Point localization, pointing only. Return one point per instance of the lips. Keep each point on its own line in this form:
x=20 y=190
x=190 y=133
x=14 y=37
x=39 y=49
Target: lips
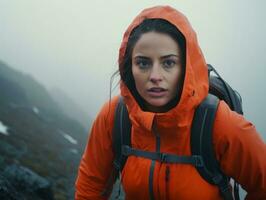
x=157 y=92
x=156 y=89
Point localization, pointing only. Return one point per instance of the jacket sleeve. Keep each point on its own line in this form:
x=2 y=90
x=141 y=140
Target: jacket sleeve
x=96 y=163
x=240 y=151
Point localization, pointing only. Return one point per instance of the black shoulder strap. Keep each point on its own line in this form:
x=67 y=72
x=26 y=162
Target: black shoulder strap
x=121 y=134
x=201 y=144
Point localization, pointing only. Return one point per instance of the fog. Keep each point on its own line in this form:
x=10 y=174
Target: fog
x=73 y=45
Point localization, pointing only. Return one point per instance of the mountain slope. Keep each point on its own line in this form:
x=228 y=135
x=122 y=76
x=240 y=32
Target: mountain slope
x=70 y=107
x=36 y=133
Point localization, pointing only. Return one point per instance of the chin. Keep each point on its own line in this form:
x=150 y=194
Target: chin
x=157 y=102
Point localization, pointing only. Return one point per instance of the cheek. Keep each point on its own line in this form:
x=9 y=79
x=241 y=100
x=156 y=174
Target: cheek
x=136 y=77
x=134 y=72
x=139 y=82
x=175 y=79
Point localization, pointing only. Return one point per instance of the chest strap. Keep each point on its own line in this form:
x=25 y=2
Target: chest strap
x=195 y=160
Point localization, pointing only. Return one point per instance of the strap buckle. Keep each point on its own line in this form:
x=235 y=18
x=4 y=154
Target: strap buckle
x=125 y=150
x=198 y=161
x=163 y=157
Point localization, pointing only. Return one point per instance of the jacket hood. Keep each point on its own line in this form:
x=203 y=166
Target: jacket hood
x=195 y=86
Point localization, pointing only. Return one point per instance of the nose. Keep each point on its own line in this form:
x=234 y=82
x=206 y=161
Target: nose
x=156 y=73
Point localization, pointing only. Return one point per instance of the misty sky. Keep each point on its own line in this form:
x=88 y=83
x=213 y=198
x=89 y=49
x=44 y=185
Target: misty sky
x=73 y=45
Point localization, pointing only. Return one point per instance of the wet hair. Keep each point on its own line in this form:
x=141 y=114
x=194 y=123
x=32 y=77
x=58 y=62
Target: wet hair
x=158 y=26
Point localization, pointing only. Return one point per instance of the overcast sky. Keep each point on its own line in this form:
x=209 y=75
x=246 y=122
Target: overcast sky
x=73 y=44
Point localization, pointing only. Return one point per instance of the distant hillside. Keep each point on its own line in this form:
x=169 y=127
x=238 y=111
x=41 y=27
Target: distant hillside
x=37 y=135
x=36 y=94
x=70 y=107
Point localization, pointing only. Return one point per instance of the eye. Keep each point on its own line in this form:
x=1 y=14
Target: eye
x=169 y=63
x=143 y=63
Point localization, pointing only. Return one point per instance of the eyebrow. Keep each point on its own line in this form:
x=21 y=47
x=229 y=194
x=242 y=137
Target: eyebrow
x=170 y=55
x=166 y=56
x=142 y=57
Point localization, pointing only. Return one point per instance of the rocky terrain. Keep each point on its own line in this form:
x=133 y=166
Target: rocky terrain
x=40 y=145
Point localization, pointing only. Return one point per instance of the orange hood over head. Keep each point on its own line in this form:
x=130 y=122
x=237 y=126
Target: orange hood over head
x=195 y=86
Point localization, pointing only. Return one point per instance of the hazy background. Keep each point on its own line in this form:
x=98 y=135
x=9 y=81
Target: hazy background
x=73 y=45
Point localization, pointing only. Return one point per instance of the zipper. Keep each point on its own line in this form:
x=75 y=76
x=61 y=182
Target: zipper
x=153 y=162
x=151 y=175
x=167 y=178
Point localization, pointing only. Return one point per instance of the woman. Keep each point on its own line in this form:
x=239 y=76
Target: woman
x=163 y=79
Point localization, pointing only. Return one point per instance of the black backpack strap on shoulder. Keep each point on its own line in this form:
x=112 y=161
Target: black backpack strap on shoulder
x=201 y=144
x=121 y=136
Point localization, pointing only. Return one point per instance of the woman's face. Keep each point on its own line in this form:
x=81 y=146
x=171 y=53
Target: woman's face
x=156 y=68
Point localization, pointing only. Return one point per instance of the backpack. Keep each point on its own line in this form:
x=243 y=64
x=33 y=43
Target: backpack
x=203 y=155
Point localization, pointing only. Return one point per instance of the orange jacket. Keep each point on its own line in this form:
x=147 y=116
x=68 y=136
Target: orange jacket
x=239 y=149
